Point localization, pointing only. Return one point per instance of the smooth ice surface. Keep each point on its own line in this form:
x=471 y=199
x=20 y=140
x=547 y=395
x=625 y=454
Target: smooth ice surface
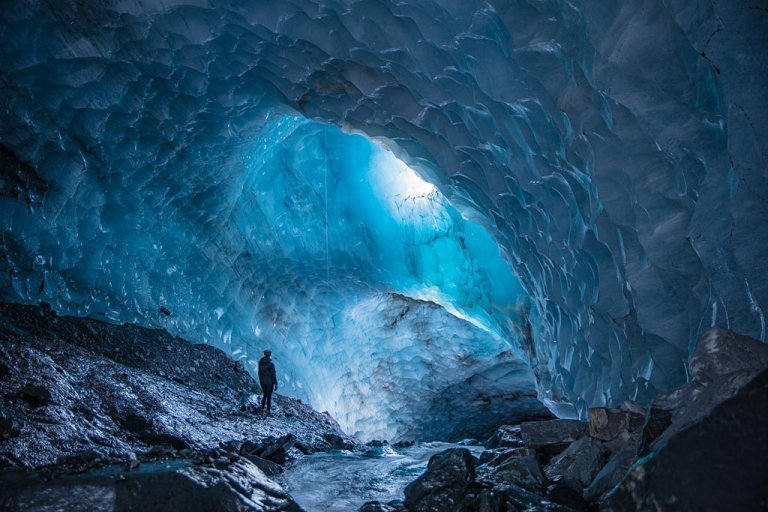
x=615 y=153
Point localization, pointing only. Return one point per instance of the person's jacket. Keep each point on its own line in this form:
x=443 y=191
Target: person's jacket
x=267 y=375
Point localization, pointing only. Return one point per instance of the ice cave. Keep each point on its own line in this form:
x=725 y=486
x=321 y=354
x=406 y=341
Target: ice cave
x=506 y=255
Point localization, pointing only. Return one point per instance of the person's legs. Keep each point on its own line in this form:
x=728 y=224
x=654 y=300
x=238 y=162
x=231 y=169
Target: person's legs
x=268 y=399
x=264 y=396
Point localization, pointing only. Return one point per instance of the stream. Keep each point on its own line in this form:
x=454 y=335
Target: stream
x=343 y=481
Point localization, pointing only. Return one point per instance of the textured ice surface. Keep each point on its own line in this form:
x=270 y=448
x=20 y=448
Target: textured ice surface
x=616 y=153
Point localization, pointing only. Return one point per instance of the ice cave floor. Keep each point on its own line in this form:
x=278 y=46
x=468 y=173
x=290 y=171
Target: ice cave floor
x=115 y=418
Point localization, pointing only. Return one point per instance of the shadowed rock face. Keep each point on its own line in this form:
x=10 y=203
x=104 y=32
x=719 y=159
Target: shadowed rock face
x=175 y=487
x=702 y=446
x=115 y=392
x=615 y=153
x=450 y=476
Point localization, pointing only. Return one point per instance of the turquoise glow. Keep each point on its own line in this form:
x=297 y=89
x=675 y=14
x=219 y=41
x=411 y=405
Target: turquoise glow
x=382 y=223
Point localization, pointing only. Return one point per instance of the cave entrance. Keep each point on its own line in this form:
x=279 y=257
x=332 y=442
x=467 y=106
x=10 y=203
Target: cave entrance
x=393 y=311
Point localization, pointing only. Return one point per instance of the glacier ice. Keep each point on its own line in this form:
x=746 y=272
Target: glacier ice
x=175 y=154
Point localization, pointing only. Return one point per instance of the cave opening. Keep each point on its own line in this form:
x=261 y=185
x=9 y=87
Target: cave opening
x=397 y=300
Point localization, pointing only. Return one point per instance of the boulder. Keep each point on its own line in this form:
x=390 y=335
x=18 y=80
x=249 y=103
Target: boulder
x=272 y=449
x=151 y=431
x=606 y=424
x=518 y=465
x=721 y=351
x=268 y=467
x=552 y=436
x=718 y=461
x=376 y=506
x=578 y=464
x=448 y=480
x=506 y=436
x=174 y=487
x=511 y=497
x=337 y=442
x=615 y=469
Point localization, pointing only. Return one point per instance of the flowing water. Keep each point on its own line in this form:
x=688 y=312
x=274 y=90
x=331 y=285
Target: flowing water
x=343 y=481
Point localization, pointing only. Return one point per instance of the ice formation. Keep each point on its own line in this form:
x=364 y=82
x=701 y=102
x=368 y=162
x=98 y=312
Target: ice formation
x=588 y=197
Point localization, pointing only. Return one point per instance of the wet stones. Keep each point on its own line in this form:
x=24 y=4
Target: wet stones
x=267 y=466
x=270 y=448
x=448 y=481
x=175 y=487
x=614 y=470
x=511 y=497
x=552 y=436
x=577 y=466
x=376 y=506
x=519 y=465
x=337 y=442
x=148 y=431
x=507 y=436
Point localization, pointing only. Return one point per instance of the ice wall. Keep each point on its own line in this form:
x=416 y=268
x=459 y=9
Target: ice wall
x=617 y=154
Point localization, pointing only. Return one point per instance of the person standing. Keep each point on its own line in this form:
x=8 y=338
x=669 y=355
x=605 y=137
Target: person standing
x=268 y=381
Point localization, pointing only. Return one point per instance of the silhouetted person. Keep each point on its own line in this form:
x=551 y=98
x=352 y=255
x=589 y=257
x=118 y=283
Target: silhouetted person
x=267 y=380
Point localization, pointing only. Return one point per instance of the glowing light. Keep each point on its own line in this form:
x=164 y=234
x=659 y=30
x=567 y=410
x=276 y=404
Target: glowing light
x=397 y=184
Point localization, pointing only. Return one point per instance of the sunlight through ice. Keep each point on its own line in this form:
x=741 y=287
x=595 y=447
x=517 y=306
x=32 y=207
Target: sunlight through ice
x=399 y=186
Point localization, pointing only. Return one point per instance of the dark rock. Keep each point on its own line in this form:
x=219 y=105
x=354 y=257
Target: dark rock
x=168 y=487
x=337 y=442
x=7 y=461
x=721 y=351
x=510 y=497
x=578 y=464
x=305 y=449
x=658 y=420
x=231 y=446
x=449 y=478
x=560 y=493
x=691 y=403
x=606 y=424
x=275 y=449
x=81 y=460
x=552 y=436
x=615 y=469
x=158 y=452
x=716 y=462
x=145 y=430
x=9 y=426
x=403 y=444
x=633 y=407
x=376 y=506
x=34 y=395
x=267 y=466
x=518 y=465
x=507 y=436
x=618 y=442
x=248 y=447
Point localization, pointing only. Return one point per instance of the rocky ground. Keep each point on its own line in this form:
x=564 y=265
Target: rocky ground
x=702 y=447
x=98 y=416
